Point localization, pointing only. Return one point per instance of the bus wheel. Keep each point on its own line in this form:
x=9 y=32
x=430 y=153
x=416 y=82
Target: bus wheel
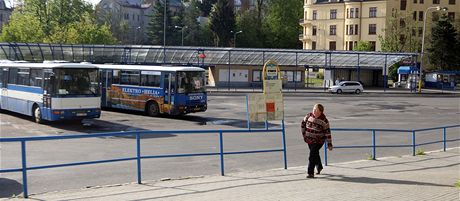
x=37 y=115
x=152 y=109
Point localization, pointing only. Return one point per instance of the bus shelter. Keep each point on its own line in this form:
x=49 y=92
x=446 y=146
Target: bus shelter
x=228 y=67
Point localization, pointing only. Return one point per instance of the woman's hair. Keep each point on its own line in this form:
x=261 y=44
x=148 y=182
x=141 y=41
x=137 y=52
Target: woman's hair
x=320 y=107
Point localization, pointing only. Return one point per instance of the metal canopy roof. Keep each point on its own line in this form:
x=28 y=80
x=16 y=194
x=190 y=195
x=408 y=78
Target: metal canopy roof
x=140 y=54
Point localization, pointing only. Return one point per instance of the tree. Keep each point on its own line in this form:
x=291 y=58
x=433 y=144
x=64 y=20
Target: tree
x=205 y=6
x=222 y=23
x=363 y=46
x=251 y=22
x=52 y=21
x=400 y=34
x=194 y=34
x=282 y=23
x=444 y=49
x=155 y=28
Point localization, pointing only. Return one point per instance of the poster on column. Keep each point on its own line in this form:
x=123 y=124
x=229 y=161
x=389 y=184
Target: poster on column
x=265 y=107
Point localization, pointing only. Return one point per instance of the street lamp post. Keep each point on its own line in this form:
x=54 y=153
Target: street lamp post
x=136 y=35
x=423 y=44
x=234 y=36
x=182 y=32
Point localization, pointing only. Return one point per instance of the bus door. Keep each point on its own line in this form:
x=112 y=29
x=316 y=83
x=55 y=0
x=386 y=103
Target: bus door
x=169 y=88
x=106 y=78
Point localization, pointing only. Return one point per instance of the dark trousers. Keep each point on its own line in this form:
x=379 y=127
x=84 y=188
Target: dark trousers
x=314 y=159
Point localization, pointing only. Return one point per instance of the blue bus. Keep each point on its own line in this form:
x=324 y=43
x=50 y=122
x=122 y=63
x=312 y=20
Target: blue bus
x=155 y=90
x=50 y=91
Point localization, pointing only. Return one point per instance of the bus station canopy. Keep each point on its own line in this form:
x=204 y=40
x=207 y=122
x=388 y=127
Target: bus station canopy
x=199 y=56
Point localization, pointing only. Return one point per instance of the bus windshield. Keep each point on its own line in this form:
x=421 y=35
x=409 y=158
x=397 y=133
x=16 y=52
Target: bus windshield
x=73 y=81
x=191 y=82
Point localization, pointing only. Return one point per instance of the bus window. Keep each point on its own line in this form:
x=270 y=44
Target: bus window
x=116 y=76
x=130 y=77
x=13 y=74
x=36 y=79
x=76 y=81
x=150 y=78
x=190 y=82
x=23 y=76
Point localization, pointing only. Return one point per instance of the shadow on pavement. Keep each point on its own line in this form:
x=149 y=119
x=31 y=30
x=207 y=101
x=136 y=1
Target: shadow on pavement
x=370 y=180
x=9 y=188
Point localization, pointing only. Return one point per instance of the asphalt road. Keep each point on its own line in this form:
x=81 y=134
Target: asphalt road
x=224 y=112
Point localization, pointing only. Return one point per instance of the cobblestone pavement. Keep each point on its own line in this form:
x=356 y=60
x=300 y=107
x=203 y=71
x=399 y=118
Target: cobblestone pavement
x=424 y=177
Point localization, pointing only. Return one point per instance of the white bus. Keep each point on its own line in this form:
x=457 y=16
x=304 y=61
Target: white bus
x=173 y=90
x=50 y=91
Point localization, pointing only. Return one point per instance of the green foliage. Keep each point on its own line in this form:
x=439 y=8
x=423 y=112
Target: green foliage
x=363 y=46
x=419 y=152
x=399 y=34
x=155 y=28
x=222 y=23
x=252 y=36
x=457 y=184
x=282 y=23
x=370 y=157
x=206 y=6
x=194 y=33
x=320 y=75
x=393 y=72
x=444 y=37
x=56 y=21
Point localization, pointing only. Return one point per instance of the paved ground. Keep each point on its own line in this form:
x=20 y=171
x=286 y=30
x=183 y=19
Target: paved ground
x=425 y=177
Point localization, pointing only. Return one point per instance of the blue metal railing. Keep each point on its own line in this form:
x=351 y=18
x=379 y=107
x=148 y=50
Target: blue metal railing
x=24 y=169
x=414 y=145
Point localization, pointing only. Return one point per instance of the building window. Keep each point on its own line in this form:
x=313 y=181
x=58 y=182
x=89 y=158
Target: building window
x=415 y=1
x=348 y=10
x=436 y=1
x=314 y=14
x=414 y=16
x=313 y=31
x=346 y=30
x=313 y=45
x=256 y=76
x=403 y=5
x=451 y=16
x=420 y=15
x=333 y=14
x=350 y=45
x=332 y=30
x=332 y=45
x=451 y=2
x=422 y=1
x=402 y=23
x=352 y=12
x=420 y=31
x=356 y=29
x=356 y=12
x=372 y=45
x=351 y=30
x=373 y=12
x=414 y=32
x=372 y=29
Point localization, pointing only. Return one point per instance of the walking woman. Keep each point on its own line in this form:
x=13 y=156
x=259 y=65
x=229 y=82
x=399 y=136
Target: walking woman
x=315 y=130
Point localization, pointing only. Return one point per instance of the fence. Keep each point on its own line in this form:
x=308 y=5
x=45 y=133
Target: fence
x=414 y=145
x=24 y=169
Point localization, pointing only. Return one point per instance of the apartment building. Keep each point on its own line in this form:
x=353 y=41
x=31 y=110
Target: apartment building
x=340 y=24
x=5 y=14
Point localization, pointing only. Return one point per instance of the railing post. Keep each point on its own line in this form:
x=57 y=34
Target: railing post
x=138 y=151
x=413 y=142
x=284 y=144
x=221 y=142
x=444 y=139
x=325 y=153
x=373 y=145
x=24 y=169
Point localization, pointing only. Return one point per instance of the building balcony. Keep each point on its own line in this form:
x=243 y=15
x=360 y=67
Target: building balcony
x=304 y=22
x=303 y=37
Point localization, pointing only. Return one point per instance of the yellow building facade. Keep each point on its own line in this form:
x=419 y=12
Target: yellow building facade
x=340 y=25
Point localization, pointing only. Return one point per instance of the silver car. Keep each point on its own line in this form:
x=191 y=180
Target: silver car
x=347 y=86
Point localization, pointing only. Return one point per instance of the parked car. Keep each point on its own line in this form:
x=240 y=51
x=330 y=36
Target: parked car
x=347 y=86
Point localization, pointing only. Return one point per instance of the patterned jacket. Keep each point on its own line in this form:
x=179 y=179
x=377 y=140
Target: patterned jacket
x=316 y=130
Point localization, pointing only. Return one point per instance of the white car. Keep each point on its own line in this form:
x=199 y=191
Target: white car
x=347 y=86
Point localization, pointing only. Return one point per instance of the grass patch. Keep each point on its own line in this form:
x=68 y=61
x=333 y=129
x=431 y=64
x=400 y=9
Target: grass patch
x=457 y=184
x=420 y=152
x=313 y=82
x=369 y=157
